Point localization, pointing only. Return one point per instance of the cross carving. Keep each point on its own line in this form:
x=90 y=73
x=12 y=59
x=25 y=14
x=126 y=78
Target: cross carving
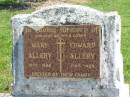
x=60 y=51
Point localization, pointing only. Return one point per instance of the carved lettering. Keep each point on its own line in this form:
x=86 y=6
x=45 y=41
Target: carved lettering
x=45 y=65
x=48 y=29
x=89 y=45
x=82 y=55
x=79 y=65
x=39 y=45
x=76 y=65
x=36 y=55
x=82 y=74
x=44 y=74
x=89 y=66
x=66 y=74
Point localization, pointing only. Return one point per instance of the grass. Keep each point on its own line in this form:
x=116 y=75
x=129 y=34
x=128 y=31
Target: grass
x=6 y=48
x=5 y=51
x=78 y=1
x=122 y=6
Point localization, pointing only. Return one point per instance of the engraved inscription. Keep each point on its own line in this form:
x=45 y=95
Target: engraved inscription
x=69 y=51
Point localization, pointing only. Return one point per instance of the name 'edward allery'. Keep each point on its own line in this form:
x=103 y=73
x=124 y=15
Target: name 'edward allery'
x=82 y=55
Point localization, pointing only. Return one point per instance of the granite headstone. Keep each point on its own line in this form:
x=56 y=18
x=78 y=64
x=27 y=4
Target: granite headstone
x=68 y=50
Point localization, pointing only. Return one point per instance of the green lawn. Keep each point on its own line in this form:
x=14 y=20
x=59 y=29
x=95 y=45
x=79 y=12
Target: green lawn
x=6 y=48
x=122 y=6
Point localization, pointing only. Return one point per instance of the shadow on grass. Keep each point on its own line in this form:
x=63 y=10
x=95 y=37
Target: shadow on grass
x=13 y=6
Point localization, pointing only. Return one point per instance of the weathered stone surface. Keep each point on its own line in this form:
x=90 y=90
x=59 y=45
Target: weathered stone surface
x=112 y=80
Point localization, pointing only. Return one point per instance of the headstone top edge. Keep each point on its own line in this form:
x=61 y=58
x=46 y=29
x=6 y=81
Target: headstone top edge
x=66 y=5
x=112 y=13
x=80 y=7
x=20 y=16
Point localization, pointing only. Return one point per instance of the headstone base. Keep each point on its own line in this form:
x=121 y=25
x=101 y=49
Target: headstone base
x=103 y=92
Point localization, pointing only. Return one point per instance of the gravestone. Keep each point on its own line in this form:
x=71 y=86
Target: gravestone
x=67 y=50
